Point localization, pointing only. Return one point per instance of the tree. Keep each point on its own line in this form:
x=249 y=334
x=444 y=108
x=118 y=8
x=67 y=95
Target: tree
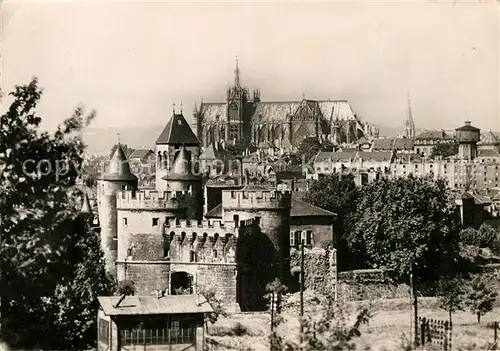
x=41 y=225
x=310 y=146
x=329 y=329
x=451 y=296
x=339 y=194
x=409 y=226
x=211 y=296
x=480 y=297
x=445 y=150
x=275 y=291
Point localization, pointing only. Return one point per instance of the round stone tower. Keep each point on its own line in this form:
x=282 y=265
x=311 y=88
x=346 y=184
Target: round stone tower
x=182 y=178
x=118 y=177
x=264 y=252
x=467 y=137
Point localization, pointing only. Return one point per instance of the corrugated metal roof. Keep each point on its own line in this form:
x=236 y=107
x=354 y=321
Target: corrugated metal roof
x=148 y=305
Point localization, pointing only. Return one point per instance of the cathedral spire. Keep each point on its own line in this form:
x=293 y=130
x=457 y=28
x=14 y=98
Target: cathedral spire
x=237 y=74
x=409 y=123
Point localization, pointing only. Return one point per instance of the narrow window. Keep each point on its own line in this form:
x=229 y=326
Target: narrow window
x=165 y=252
x=215 y=253
x=192 y=256
x=155 y=222
x=125 y=221
x=292 y=239
x=129 y=252
x=236 y=220
x=309 y=237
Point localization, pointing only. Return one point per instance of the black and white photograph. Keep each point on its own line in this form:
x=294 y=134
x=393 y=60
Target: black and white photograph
x=249 y=175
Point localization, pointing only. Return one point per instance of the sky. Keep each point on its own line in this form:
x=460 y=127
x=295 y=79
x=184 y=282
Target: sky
x=131 y=61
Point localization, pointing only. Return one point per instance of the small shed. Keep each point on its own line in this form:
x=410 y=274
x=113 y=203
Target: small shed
x=171 y=322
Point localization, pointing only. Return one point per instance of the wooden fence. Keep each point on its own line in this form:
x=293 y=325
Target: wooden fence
x=434 y=332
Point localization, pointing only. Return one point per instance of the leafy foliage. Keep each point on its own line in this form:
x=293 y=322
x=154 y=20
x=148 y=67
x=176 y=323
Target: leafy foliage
x=445 y=150
x=216 y=303
x=50 y=259
x=480 y=297
x=451 y=296
x=329 y=328
x=310 y=146
x=408 y=225
x=126 y=287
x=339 y=194
x=485 y=237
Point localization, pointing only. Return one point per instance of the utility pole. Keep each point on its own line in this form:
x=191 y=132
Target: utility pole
x=301 y=288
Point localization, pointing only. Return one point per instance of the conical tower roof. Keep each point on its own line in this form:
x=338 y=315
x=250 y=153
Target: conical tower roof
x=86 y=208
x=181 y=169
x=119 y=167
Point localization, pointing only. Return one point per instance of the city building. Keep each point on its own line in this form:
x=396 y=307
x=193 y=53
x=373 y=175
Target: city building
x=244 y=119
x=159 y=239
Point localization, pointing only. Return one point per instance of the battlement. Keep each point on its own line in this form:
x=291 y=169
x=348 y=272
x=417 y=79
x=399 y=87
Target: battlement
x=151 y=199
x=256 y=199
x=207 y=228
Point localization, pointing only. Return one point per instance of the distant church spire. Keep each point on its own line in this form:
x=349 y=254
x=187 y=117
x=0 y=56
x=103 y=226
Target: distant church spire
x=409 y=123
x=237 y=74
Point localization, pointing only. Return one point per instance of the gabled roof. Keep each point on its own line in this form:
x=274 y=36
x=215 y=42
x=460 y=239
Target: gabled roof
x=141 y=153
x=299 y=209
x=151 y=305
x=213 y=153
x=377 y=156
x=337 y=156
x=388 y=144
x=489 y=138
x=177 y=132
x=433 y=135
x=119 y=167
x=304 y=209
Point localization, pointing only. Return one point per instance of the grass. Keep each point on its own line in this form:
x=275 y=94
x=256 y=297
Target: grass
x=388 y=330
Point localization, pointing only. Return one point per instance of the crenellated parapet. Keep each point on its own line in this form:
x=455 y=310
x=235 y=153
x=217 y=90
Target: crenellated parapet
x=211 y=228
x=266 y=199
x=148 y=199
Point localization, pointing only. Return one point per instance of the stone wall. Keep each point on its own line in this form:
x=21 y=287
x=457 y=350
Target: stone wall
x=365 y=284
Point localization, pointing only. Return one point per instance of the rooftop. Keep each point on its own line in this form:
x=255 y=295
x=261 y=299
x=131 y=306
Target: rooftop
x=177 y=132
x=119 y=167
x=149 y=305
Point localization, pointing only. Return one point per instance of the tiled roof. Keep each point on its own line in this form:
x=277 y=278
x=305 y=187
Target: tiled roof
x=211 y=110
x=382 y=144
x=489 y=138
x=303 y=209
x=377 y=156
x=149 y=305
x=433 y=135
x=393 y=144
x=299 y=209
x=337 y=156
x=211 y=153
x=140 y=153
x=177 y=132
x=488 y=153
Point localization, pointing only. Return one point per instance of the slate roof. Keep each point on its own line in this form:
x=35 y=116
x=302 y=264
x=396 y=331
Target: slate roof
x=393 y=144
x=150 y=305
x=337 y=156
x=211 y=153
x=489 y=138
x=276 y=111
x=177 y=132
x=433 y=135
x=299 y=209
x=119 y=167
x=467 y=128
x=141 y=153
x=181 y=169
x=377 y=156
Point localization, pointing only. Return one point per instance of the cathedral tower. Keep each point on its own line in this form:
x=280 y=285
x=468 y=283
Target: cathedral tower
x=118 y=177
x=237 y=97
x=409 y=123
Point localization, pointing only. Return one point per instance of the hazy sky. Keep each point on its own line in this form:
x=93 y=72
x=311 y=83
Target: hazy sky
x=132 y=60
